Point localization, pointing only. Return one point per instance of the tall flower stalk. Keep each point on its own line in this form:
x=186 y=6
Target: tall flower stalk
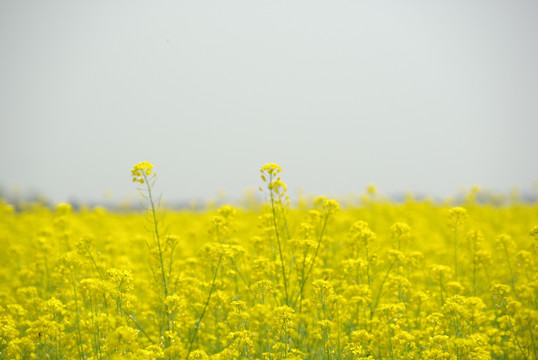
x=143 y=174
x=277 y=190
x=457 y=217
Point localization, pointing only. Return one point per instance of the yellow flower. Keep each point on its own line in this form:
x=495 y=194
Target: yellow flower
x=199 y=355
x=63 y=208
x=141 y=171
x=276 y=186
x=457 y=216
x=328 y=206
x=271 y=169
x=360 y=232
x=400 y=230
x=283 y=317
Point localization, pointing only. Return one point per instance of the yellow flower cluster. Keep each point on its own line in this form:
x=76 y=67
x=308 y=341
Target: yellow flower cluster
x=275 y=185
x=379 y=280
x=141 y=171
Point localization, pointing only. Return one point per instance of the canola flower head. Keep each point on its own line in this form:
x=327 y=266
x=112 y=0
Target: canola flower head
x=141 y=171
x=439 y=271
x=283 y=317
x=457 y=215
x=400 y=230
x=277 y=188
x=270 y=169
x=361 y=232
x=63 y=208
x=262 y=287
x=327 y=205
x=371 y=189
x=198 y=355
x=499 y=289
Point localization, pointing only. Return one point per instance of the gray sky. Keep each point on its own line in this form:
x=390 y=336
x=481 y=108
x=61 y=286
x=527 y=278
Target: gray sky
x=423 y=96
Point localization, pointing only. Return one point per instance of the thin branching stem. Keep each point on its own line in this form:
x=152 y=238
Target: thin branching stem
x=303 y=282
x=200 y=318
x=277 y=234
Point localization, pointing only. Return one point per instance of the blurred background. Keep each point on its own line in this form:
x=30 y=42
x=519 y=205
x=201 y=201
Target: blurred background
x=416 y=96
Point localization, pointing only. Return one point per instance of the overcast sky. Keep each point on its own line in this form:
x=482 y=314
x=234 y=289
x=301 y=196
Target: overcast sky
x=423 y=96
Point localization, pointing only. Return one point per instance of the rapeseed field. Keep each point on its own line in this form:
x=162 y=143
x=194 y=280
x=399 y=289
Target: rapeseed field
x=317 y=280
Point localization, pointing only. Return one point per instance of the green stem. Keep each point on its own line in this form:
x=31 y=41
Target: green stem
x=313 y=260
x=242 y=277
x=390 y=338
x=279 y=245
x=474 y=266
x=514 y=331
x=441 y=289
x=131 y=317
x=381 y=289
x=369 y=278
x=156 y=229
x=512 y=278
x=456 y=253
x=93 y=260
x=79 y=342
x=197 y=324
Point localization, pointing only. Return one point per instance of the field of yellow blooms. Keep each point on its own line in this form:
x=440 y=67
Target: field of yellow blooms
x=319 y=280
